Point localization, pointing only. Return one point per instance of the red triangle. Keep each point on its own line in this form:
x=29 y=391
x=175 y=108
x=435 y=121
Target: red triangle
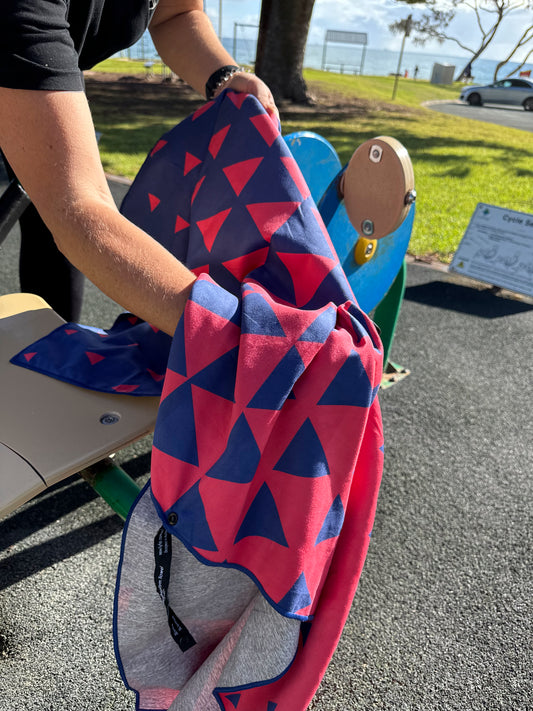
x=94 y=357
x=70 y=331
x=237 y=98
x=29 y=356
x=190 y=162
x=133 y=319
x=204 y=269
x=181 y=224
x=240 y=173
x=307 y=350
x=241 y=266
x=296 y=175
x=210 y=227
x=205 y=327
x=197 y=188
x=173 y=380
x=156 y=376
x=266 y=127
x=125 y=388
x=202 y=110
x=158 y=146
x=308 y=271
x=217 y=140
x=154 y=201
x=270 y=216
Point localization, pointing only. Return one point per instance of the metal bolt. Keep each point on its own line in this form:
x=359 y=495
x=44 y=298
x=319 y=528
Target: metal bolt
x=110 y=418
x=376 y=153
x=172 y=519
x=368 y=227
x=369 y=249
x=410 y=197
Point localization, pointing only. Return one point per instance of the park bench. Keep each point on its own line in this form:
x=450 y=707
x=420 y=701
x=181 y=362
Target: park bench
x=50 y=430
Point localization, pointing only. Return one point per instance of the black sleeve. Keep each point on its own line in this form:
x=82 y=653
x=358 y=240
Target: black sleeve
x=36 y=49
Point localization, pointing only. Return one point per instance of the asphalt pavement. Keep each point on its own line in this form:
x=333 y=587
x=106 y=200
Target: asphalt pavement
x=510 y=116
x=443 y=616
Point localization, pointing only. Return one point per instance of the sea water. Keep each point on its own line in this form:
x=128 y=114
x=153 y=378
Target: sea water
x=352 y=59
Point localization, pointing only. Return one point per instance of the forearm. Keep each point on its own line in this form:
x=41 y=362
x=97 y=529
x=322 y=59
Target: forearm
x=187 y=43
x=124 y=262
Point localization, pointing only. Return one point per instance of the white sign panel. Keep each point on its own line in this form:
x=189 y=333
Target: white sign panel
x=497 y=248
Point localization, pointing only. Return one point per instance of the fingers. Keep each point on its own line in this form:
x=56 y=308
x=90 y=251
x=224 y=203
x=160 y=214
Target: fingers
x=251 y=84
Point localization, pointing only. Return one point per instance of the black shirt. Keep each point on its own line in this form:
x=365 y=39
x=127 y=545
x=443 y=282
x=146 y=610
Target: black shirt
x=45 y=44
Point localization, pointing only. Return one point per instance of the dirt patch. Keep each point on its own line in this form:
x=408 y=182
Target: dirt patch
x=142 y=93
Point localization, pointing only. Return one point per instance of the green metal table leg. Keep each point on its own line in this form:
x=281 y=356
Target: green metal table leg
x=113 y=485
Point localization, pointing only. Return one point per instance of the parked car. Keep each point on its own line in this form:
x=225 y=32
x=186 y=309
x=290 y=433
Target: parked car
x=507 y=91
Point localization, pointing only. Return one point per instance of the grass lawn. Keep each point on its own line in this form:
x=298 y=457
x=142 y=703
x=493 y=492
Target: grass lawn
x=457 y=162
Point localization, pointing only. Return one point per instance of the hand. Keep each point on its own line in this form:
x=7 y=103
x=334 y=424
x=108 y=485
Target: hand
x=251 y=84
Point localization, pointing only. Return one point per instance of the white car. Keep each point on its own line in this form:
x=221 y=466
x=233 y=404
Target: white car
x=518 y=92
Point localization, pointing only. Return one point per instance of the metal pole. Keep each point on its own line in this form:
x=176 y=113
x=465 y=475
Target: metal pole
x=235 y=40
x=220 y=20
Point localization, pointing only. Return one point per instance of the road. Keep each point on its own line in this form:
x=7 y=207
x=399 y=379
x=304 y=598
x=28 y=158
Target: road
x=510 y=116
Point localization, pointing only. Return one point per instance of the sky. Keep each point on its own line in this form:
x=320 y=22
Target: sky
x=374 y=18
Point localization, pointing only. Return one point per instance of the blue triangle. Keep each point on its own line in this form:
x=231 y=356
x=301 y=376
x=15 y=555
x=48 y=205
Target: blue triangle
x=192 y=522
x=175 y=432
x=350 y=386
x=272 y=706
x=333 y=522
x=177 y=361
x=321 y=327
x=259 y=318
x=216 y=299
x=233 y=699
x=277 y=387
x=240 y=459
x=298 y=596
x=219 y=376
x=305 y=455
x=262 y=519
x=305 y=628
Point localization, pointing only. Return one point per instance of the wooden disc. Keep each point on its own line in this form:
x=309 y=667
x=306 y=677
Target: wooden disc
x=378 y=187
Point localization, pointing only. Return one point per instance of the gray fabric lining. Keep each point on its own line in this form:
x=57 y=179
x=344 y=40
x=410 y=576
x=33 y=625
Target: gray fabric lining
x=240 y=637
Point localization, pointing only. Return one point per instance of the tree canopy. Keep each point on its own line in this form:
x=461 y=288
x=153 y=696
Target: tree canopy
x=435 y=18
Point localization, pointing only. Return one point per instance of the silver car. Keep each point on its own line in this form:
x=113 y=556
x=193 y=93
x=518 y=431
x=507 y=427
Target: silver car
x=518 y=92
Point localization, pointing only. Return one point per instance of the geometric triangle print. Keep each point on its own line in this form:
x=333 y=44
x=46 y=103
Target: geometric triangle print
x=177 y=361
x=240 y=173
x=270 y=216
x=298 y=596
x=158 y=146
x=241 y=457
x=237 y=99
x=190 y=163
x=350 y=386
x=296 y=175
x=305 y=455
x=233 y=699
x=175 y=433
x=314 y=267
x=262 y=519
x=259 y=318
x=210 y=226
x=241 y=266
x=276 y=388
x=217 y=140
x=94 y=357
x=333 y=522
x=271 y=706
x=219 y=376
x=154 y=201
x=181 y=224
x=192 y=521
x=266 y=127
x=321 y=327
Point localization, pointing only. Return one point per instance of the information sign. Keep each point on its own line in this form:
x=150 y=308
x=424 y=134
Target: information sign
x=497 y=248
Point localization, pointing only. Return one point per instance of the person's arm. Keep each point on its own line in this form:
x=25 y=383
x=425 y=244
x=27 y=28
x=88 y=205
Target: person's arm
x=187 y=43
x=49 y=140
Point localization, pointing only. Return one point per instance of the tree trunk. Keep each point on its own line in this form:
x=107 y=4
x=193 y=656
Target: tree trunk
x=283 y=30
